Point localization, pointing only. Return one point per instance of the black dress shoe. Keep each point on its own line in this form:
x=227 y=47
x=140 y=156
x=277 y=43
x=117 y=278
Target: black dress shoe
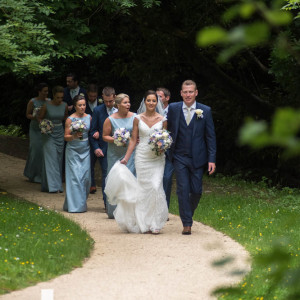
x=187 y=230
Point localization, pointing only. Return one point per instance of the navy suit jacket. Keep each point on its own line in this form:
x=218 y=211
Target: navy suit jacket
x=204 y=145
x=99 y=116
x=68 y=99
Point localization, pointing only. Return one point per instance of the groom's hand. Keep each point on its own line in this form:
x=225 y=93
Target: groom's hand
x=211 y=168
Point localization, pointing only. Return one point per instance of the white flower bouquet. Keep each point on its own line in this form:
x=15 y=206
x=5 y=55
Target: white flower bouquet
x=160 y=141
x=121 y=136
x=46 y=126
x=77 y=126
x=199 y=113
x=36 y=111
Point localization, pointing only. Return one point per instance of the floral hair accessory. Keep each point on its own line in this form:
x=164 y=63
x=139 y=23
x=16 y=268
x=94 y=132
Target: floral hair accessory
x=199 y=113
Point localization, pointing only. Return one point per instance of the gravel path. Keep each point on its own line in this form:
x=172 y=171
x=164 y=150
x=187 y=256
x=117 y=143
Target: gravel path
x=131 y=266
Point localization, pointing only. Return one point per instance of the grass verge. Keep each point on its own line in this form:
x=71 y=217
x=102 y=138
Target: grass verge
x=37 y=244
x=258 y=218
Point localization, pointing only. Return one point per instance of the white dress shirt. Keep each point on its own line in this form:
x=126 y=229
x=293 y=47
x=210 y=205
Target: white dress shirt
x=185 y=110
x=111 y=111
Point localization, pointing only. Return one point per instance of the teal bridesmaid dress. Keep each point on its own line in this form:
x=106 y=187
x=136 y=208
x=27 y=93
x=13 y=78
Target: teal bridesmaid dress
x=53 y=148
x=33 y=167
x=78 y=171
x=115 y=153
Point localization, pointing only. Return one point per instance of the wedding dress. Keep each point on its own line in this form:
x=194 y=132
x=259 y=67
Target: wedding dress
x=141 y=202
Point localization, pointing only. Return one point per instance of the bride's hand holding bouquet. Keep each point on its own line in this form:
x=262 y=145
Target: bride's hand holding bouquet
x=160 y=141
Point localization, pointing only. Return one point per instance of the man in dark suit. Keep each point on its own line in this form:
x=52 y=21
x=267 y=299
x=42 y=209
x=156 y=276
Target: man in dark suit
x=73 y=89
x=99 y=147
x=194 y=145
x=92 y=102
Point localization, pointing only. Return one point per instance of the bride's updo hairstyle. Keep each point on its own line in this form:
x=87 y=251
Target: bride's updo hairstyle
x=150 y=92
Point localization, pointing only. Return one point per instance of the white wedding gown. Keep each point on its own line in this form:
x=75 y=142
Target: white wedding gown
x=141 y=202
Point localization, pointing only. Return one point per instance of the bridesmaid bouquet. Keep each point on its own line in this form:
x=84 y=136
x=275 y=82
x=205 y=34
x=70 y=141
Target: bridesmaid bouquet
x=121 y=136
x=46 y=126
x=36 y=111
x=160 y=141
x=77 y=126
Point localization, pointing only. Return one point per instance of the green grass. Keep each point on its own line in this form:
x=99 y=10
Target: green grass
x=37 y=244
x=257 y=217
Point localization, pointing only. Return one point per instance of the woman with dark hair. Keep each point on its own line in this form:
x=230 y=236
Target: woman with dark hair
x=78 y=171
x=33 y=168
x=56 y=111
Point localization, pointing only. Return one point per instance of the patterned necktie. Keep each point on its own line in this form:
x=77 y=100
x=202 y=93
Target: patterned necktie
x=188 y=117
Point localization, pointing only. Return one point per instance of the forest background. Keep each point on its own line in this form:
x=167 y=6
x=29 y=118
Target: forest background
x=144 y=44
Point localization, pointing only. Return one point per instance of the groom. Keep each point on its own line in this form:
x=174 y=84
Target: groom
x=194 y=145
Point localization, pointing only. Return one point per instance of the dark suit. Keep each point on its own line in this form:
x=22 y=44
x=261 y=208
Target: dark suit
x=193 y=146
x=88 y=109
x=68 y=99
x=99 y=116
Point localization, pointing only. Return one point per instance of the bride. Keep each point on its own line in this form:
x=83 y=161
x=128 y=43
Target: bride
x=144 y=194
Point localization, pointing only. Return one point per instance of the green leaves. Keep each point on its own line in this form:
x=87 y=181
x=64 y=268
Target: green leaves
x=247 y=34
x=211 y=35
x=283 y=132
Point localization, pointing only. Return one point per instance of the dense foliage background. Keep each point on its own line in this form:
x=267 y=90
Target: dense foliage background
x=140 y=45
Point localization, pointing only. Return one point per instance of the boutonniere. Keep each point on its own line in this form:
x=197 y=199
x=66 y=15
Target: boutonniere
x=100 y=100
x=199 y=113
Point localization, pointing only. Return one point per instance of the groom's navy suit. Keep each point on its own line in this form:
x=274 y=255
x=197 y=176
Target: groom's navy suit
x=99 y=116
x=193 y=146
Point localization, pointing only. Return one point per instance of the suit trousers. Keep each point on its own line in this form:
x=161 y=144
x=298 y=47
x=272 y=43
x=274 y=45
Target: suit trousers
x=189 y=187
x=167 y=179
x=103 y=166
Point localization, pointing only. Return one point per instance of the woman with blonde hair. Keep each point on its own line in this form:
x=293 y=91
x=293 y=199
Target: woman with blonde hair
x=122 y=119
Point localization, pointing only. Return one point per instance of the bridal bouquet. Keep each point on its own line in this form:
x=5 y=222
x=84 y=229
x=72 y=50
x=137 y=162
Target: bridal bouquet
x=36 y=111
x=77 y=126
x=46 y=126
x=121 y=136
x=160 y=141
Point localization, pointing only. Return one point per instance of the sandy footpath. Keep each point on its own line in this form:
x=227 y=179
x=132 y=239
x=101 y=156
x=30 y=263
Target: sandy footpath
x=131 y=266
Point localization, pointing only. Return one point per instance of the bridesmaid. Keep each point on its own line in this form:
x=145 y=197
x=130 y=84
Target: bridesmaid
x=53 y=144
x=123 y=118
x=33 y=168
x=78 y=171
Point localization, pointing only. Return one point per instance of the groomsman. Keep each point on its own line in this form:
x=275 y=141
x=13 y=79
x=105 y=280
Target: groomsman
x=73 y=89
x=194 y=145
x=92 y=102
x=99 y=147
x=164 y=94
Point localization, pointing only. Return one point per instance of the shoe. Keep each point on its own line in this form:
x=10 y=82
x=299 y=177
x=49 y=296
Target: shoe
x=187 y=230
x=155 y=231
x=93 y=190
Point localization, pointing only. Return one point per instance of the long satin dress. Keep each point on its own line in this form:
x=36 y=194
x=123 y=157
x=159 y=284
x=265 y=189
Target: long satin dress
x=33 y=168
x=141 y=202
x=78 y=171
x=116 y=153
x=53 y=147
